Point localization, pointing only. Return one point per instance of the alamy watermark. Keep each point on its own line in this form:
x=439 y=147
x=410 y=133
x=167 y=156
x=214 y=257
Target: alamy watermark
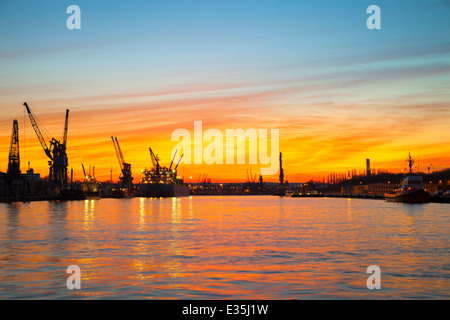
x=74 y=20
x=374 y=281
x=235 y=139
x=374 y=21
x=74 y=280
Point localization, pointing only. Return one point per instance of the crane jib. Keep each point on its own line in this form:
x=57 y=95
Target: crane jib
x=38 y=132
x=57 y=154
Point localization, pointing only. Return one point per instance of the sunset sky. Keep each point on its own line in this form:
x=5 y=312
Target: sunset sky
x=338 y=92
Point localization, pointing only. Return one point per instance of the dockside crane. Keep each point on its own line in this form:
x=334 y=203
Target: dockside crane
x=281 y=170
x=14 y=156
x=181 y=157
x=66 y=127
x=155 y=160
x=56 y=153
x=85 y=176
x=126 y=180
x=13 y=173
x=283 y=186
x=162 y=173
x=84 y=171
x=171 y=163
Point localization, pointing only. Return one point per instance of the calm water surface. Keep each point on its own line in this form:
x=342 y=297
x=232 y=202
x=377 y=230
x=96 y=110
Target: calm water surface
x=231 y=247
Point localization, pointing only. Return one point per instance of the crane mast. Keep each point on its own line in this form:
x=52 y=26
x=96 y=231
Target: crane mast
x=175 y=169
x=155 y=160
x=410 y=162
x=14 y=156
x=171 y=163
x=66 y=126
x=120 y=153
x=126 y=180
x=119 y=158
x=56 y=153
x=38 y=132
x=281 y=170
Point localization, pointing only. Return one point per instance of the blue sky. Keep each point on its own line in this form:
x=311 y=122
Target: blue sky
x=167 y=39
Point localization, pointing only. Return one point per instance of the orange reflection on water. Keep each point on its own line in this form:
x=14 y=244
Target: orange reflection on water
x=225 y=247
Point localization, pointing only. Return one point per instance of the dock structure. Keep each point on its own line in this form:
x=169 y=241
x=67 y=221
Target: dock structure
x=356 y=195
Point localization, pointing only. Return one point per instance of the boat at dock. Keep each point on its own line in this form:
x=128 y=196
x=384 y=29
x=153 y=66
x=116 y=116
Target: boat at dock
x=90 y=185
x=411 y=190
x=160 y=190
x=162 y=181
x=122 y=193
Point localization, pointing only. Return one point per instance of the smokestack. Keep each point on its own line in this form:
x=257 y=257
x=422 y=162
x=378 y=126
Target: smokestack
x=368 y=170
x=281 y=170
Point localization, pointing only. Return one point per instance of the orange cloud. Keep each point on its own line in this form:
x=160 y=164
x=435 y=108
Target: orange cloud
x=315 y=137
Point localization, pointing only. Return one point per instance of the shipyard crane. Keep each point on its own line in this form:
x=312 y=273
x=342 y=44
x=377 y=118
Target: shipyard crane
x=175 y=169
x=252 y=177
x=283 y=186
x=170 y=167
x=155 y=160
x=410 y=162
x=126 y=180
x=118 y=154
x=14 y=156
x=13 y=172
x=162 y=174
x=85 y=176
x=66 y=126
x=84 y=171
x=281 y=170
x=56 y=153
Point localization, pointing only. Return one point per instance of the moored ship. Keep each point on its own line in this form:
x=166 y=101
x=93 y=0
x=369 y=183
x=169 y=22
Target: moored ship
x=90 y=185
x=162 y=181
x=122 y=192
x=160 y=190
x=411 y=190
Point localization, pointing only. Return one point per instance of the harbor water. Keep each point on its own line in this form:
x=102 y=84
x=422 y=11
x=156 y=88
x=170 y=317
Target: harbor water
x=224 y=247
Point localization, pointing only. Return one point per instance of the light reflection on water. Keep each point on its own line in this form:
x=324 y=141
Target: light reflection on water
x=252 y=247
